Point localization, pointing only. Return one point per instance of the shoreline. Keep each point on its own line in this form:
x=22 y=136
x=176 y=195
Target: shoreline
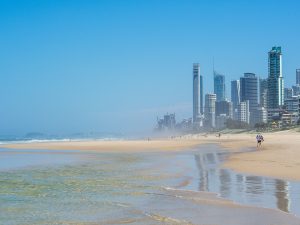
x=167 y=193
x=278 y=157
x=118 y=146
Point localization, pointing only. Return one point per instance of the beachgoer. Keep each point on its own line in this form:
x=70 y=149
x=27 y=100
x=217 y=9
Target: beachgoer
x=258 y=139
x=261 y=139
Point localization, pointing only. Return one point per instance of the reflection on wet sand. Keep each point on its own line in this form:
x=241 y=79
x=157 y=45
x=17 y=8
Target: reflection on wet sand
x=245 y=189
x=139 y=189
x=282 y=195
x=203 y=177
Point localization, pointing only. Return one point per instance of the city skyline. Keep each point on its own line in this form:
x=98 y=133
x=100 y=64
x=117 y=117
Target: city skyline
x=74 y=66
x=254 y=102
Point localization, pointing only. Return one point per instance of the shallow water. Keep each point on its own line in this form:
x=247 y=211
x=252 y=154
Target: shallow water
x=242 y=188
x=63 y=187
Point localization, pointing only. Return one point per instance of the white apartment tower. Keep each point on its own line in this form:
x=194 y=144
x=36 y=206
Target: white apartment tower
x=197 y=96
x=210 y=110
x=243 y=112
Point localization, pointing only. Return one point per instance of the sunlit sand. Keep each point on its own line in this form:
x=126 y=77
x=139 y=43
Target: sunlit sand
x=279 y=155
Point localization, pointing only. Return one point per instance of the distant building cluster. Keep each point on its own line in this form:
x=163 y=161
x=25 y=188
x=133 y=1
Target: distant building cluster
x=255 y=101
x=168 y=122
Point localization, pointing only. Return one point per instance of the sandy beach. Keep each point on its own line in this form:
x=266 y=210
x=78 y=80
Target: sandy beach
x=113 y=146
x=142 y=178
x=279 y=155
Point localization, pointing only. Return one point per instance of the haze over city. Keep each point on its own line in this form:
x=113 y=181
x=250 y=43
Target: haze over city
x=114 y=66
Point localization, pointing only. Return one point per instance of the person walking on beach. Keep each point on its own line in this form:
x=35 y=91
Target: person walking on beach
x=259 y=139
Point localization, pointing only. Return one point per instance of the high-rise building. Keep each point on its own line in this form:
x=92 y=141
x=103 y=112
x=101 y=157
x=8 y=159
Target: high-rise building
x=263 y=92
x=221 y=121
x=292 y=105
x=201 y=95
x=235 y=93
x=219 y=86
x=275 y=79
x=197 y=95
x=249 y=91
x=260 y=115
x=168 y=122
x=224 y=107
x=210 y=110
x=296 y=90
x=243 y=112
x=298 y=77
x=288 y=93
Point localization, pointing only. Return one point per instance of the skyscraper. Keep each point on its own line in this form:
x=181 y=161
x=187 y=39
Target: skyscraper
x=296 y=90
x=260 y=115
x=288 y=93
x=210 y=110
x=219 y=86
x=249 y=91
x=243 y=112
x=275 y=79
x=224 y=107
x=298 y=77
x=235 y=93
x=263 y=92
x=201 y=95
x=197 y=95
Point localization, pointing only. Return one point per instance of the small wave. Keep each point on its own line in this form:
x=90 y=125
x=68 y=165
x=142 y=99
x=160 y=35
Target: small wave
x=167 y=220
x=184 y=190
x=33 y=141
x=46 y=140
x=197 y=195
x=57 y=140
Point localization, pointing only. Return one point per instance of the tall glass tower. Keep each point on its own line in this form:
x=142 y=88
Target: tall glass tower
x=201 y=95
x=219 y=86
x=210 y=110
x=275 y=79
x=298 y=77
x=249 y=92
x=263 y=92
x=235 y=93
x=197 y=93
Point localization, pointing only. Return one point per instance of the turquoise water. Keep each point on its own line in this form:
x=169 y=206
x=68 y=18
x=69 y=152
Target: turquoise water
x=81 y=188
x=63 y=187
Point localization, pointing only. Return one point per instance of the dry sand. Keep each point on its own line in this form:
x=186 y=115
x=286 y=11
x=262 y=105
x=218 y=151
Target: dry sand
x=278 y=157
x=112 y=146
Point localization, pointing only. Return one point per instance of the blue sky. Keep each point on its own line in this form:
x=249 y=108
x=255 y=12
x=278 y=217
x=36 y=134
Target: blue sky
x=80 y=66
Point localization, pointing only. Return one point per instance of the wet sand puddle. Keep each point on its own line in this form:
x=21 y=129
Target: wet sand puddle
x=241 y=188
x=143 y=188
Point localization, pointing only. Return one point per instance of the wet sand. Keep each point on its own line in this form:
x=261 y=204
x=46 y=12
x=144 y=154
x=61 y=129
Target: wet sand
x=175 y=206
x=113 y=146
x=167 y=187
x=279 y=156
x=210 y=209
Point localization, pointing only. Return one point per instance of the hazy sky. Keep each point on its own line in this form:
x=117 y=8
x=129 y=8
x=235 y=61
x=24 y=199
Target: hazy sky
x=79 y=66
